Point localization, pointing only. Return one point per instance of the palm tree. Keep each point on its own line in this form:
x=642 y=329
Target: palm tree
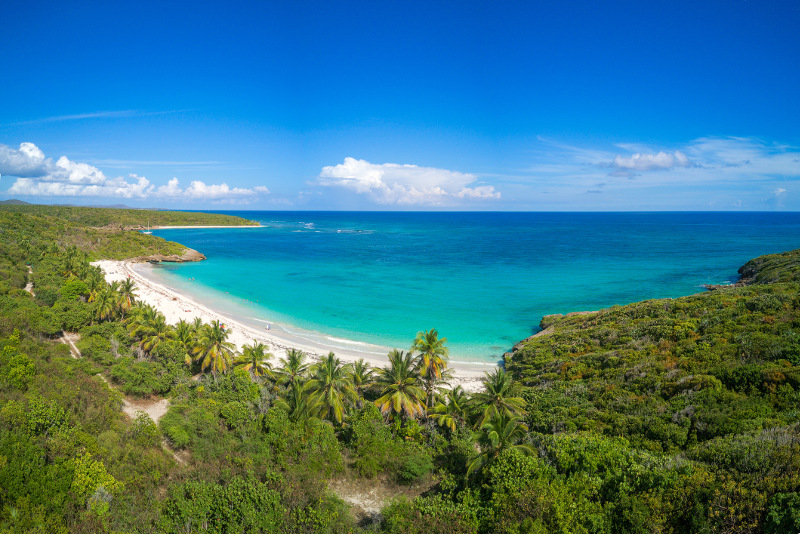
x=301 y=407
x=499 y=397
x=127 y=295
x=185 y=339
x=104 y=305
x=254 y=359
x=454 y=410
x=401 y=394
x=362 y=375
x=140 y=315
x=331 y=386
x=498 y=434
x=432 y=360
x=70 y=259
x=153 y=333
x=95 y=282
x=213 y=350
x=293 y=368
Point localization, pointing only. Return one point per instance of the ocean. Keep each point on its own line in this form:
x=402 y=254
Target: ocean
x=482 y=280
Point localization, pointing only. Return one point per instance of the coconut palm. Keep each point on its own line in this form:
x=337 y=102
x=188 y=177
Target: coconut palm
x=197 y=324
x=254 y=359
x=127 y=295
x=362 y=375
x=71 y=259
x=401 y=394
x=499 y=397
x=302 y=407
x=453 y=410
x=185 y=338
x=213 y=350
x=498 y=434
x=95 y=282
x=140 y=314
x=432 y=360
x=153 y=333
x=293 y=368
x=330 y=384
x=105 y=305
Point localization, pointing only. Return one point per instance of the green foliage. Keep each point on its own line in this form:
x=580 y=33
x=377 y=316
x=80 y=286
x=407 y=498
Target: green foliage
x=114 y=218
x=236 y=415
x=144 y=431
x=142 y=378
x=74 y=314
x=416 y=465
x=377 y=450
x=91 y=482
x=783 y=514
x=773 y=268
x=432 y=515
x=16 y=369
x=73 y=290
x=241 y=505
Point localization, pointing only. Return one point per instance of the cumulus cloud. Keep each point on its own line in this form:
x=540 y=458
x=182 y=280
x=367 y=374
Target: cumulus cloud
x=27 y=161
x=41 y=176
x=392 y=183
x=651 y=162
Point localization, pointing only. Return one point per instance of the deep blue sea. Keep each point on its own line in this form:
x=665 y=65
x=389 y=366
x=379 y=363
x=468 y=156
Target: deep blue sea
x=483 y=280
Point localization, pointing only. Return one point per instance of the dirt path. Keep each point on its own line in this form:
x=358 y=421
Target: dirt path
x=367 y=497
x=29 y=285
x=155 y=409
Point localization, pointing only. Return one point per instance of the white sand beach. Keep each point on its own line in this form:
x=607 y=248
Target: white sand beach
x=230 y=227
x=176 y=306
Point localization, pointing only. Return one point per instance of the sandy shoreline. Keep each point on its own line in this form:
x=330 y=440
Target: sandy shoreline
x=176 y=306
x=204 y=226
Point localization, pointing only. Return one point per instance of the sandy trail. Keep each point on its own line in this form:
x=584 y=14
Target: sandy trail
x=154 y=408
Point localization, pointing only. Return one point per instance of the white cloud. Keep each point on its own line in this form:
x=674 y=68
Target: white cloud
x=26 y=162
x=697 y=174
x=391 y=183
x=40 y=176
x=199 y=190
x=651 y=162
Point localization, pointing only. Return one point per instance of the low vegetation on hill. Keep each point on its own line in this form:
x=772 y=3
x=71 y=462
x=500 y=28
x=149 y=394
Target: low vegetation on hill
x=94 y=232
x=126 y=218
x=665 y=416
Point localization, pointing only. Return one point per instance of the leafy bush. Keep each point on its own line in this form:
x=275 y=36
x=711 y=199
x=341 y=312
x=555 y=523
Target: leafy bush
x=783 y=514
x=144 y=431
x=241 y=505
x=74 y=289
x=415 y=465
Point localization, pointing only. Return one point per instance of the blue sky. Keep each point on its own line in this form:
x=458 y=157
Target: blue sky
x=403 y=105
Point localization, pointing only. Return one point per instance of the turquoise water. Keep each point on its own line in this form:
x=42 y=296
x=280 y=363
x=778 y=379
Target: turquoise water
x=483 y=280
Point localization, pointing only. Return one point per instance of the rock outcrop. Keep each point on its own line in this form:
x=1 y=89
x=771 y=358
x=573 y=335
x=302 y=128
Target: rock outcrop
x=187 y=256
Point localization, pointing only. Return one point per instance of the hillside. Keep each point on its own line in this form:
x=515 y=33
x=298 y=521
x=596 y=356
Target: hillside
x=100 y=232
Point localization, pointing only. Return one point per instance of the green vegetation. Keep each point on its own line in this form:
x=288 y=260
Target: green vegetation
x=125 y=218
x=37 y=231
x=664 y=416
